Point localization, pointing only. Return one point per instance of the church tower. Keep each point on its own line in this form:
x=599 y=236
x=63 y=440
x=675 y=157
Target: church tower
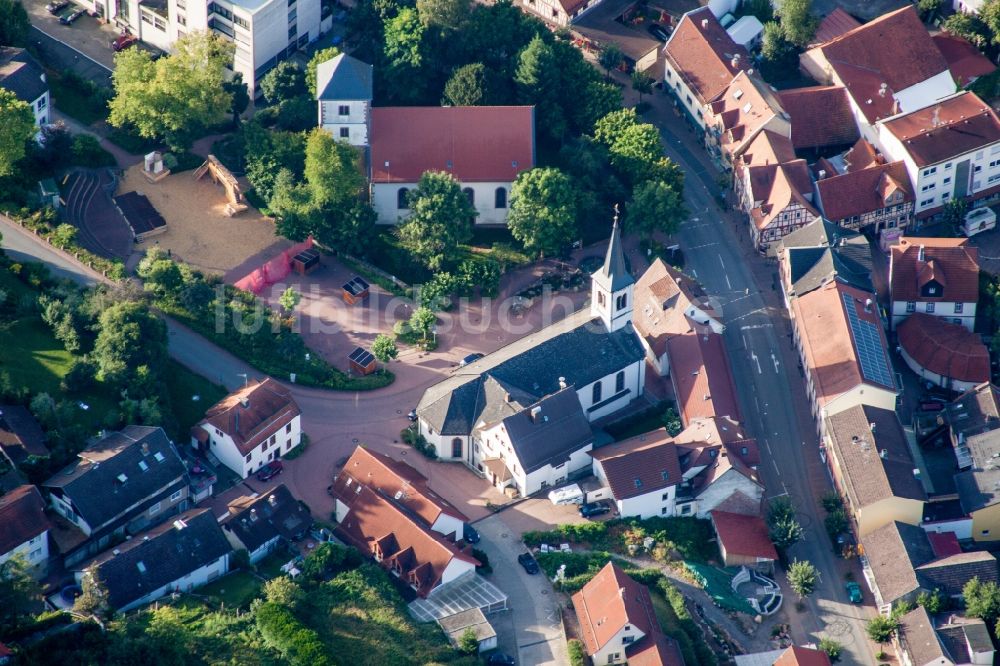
x=344 y=96
x=611 y=285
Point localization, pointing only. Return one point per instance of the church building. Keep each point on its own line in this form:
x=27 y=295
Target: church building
x=520 y=417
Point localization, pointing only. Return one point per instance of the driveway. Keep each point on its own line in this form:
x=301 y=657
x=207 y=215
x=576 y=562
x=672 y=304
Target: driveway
x=534 y=606
x=87 y=37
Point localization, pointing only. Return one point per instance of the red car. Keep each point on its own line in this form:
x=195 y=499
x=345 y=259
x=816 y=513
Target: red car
x=269 y=471
x=124 y=41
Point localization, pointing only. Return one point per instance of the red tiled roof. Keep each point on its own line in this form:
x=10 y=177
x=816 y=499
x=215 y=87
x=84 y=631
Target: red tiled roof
x=865 y=86
x=375 y=526
x=702 y=53
x=779 y=186
x=269 y=408
x=768 y=148
x=22 y=517
x=639 y=465
x=946 y=349
x=800 y=656
x=863 y=190
x=391 y=478
x=473 y=143
x=664 y=299
x=827 y=341
x=946 y=129
x=895 y=47
x=965 y=61
x=835 y=24
x=610 y=601
x=862 y=155
x=956 y=267
x=820 y=115
x=944 y=544
x=700 y=373
x=744 y=107
x=743 y=535
x=660 y=650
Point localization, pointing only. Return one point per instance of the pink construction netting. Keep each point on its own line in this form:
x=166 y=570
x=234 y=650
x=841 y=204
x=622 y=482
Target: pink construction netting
x=275 y=270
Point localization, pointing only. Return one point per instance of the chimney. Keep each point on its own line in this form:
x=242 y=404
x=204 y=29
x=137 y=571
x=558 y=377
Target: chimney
x=253 y=515
x=916 y=473
x=536 y=411
x=506 y=396
x=882 y=90
x=145 y=538
x=245 y=401
x=871 y=426
x=868 y=305
x=936 y=118
x=704 y=24
x=562 y=382
x=822 y=174
x=116 y=552
x=735 y=62
x=920 y=253
x=145 y=448
x=883 y=454
x=272 y=501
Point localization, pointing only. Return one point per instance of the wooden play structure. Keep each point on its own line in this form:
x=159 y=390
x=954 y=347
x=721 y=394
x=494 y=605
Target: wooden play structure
x=222 y=176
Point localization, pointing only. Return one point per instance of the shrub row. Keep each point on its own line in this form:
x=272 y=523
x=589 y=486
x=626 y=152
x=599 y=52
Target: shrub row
x=419 y=442
x=704 y=654
x=45 y=225
x=297 y=643
x=577 y=656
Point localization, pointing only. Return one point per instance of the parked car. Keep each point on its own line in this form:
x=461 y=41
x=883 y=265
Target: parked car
x=469 y=534
x=528 y=563
x=124 y=41
x=594 y=509
x=658 y=31
x=269 y=471
x=469 y=359
x=56 y=6
x=68 y=19
x=412 y=415
x=854 y=592
x=500 y=659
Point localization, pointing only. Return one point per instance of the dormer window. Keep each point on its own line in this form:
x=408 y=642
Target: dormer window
x=638 y=483
x=665 y=474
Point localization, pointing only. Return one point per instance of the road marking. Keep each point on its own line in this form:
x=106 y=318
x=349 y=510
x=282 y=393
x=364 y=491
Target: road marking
x=538 y=642
x=757 y=361
x=751 y=327
x=698 y=247
x=756 y=403
x=775 y=359
x=724 y=274
x=778 y=473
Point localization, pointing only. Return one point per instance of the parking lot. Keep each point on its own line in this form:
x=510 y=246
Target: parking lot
x=87 y=37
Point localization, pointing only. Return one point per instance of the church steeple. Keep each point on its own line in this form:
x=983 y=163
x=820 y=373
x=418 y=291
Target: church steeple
x=611 y=285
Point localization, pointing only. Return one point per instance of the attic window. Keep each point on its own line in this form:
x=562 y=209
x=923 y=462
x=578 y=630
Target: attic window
x=122 y=478
x=737 y=93
x=159 y=457
x=747 y=107
x=141 y=566
x=665 y=474
x=143 y=466
x=713 y=453
x=638 y=483
x=357 y=491
x=744 y=450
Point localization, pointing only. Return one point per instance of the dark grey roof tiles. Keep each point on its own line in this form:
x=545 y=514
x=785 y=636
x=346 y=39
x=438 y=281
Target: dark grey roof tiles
x=21 y=74
x=343 y=78
x=549 y=431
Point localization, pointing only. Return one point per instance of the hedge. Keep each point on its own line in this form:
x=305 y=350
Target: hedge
x=704 y=653
x=577 y=656
x=44 y=224
x=283 y=631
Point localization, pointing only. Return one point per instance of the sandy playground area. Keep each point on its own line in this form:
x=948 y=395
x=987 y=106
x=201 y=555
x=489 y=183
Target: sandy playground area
x=198 y=231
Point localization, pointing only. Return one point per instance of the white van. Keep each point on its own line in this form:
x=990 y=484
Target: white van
x=979 y=220
x=570 y=494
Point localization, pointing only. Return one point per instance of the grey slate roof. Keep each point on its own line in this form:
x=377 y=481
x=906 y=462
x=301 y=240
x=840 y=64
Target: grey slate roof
x=274 y=514
x=614 y=274
x=820 y=252
x=979 y=485
x=893 y=551
x=166 y=554
x=549 y=431
x=952 y=572
x=917 y=635
x=21 y=74
x=92 y=483
x=961 y=634
x=343 y=78
x=578 y=348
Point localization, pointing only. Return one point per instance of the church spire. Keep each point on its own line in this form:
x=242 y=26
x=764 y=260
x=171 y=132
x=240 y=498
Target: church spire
x=614 y=275
x=611 y=285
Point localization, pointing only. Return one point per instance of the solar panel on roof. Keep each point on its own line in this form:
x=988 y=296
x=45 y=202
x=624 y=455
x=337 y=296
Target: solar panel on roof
x=868 y=343
x=362 y=356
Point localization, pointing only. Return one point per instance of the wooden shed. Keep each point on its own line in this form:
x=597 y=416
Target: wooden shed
x=305 y=262
x=362 y=361
x=355 y=290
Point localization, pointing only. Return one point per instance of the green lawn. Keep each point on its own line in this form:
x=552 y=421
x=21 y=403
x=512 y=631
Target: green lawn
x=182 y=387
x=236 y=590
x=78 y=98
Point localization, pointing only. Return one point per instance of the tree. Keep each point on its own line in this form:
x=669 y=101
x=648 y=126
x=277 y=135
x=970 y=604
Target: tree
x=982 y=600
x=472 y=85
x=836 y=522
x=404 y=78
x=289 y=299
x=989 y=14
x=320 y=56
x=284 y=591
x=929 y=8
x=440 y=220
x=969 y=27
x=17 y=126
x=832 y=649
x=446 y=15
x=954 y=212
x=636 y=149
x=642 y=83
x=543 y=210
x=18 y=591
x=774 y=46
x=802 y=577
x=780 y=508
x=468 y=642
x=422 y=320
x=331 y=170
x=881 y=629
x=935 y=602
x=538 y=83
x=797 y=22
x=655 y=206
x=15 y=28
x=174 y=97
x=384 y=348
x=286 y=81
x=611 y=58
x=241 y=97
x=130 y=337
x=784 y=530
x=93 y=599
x=160 y=274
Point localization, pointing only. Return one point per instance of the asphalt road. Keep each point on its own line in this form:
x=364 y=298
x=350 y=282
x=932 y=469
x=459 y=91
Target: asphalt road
x=771 y=391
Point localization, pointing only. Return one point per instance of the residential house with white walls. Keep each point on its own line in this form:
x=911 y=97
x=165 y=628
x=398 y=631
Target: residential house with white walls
x=260 y=524
x=618 y=623
x=934 y=276
x=777 y=199
x=559 y=13
x=746 y=107
x=595 y=351
x=26 y=528
x=403 y=484
x=123 y=483
x=888 y=66
x=250 y=427
x=701 y=60
x=21 y=74
x=344 y=95
x=178 y=556
x=951 y=150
